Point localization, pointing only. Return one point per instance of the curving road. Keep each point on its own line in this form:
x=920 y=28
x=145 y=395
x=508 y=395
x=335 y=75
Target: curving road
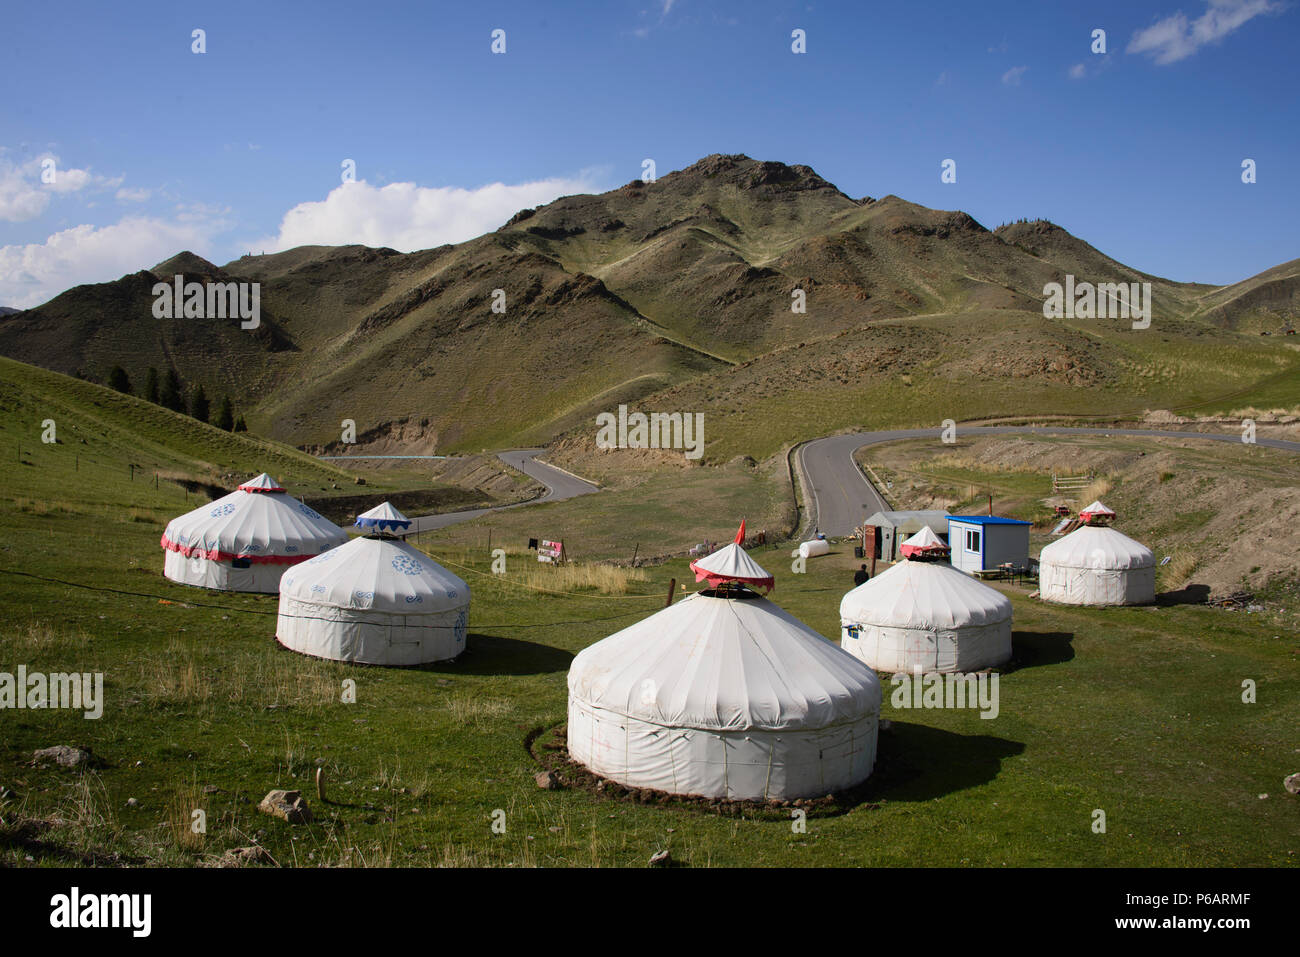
x=838 y=492
x=559 y=486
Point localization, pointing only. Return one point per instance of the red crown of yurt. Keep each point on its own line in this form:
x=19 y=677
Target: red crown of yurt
x=925 y=546
x=732 y=564
x=1096 y=514
x=263 y=483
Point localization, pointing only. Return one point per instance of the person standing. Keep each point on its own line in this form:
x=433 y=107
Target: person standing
x=860 y=576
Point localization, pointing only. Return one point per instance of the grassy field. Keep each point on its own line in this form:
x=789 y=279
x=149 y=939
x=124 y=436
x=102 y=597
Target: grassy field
x=666 y=512
x=108 y=447
x=1137 y=712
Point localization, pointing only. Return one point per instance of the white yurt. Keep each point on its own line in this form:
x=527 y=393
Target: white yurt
x=375 y=600
x=923 y=613
x=724 y=695
x=245 y=540
x=1096 y=565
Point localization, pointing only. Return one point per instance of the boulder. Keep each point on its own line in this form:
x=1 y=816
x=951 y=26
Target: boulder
x=286 y=805
x=64 y=756
x=547 y=780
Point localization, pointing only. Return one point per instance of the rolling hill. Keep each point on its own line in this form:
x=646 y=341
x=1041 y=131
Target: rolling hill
x=678 y=295
x=104 y=440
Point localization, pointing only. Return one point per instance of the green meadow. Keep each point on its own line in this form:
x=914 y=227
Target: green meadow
x=1135 y=712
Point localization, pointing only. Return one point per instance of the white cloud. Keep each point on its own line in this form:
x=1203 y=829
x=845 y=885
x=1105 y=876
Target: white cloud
x=1012 y=76
x=24 y=195
x=36 y=272
x=402 y=215
x=408 y=217
x=68 y=180
x=19 y=199
x=1174 y=38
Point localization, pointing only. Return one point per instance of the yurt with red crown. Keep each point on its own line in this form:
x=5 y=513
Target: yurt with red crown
x=1097 y=565
x=245 y=540
x=923 y=614
x=724 y=695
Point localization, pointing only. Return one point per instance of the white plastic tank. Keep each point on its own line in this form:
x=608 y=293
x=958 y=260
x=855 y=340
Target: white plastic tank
x=811 y=549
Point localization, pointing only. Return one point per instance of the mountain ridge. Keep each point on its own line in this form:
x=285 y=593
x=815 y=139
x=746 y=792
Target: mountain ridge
x=648 y=291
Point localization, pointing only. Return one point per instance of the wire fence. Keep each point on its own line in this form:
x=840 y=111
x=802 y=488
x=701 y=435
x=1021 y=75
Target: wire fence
x=274 y=612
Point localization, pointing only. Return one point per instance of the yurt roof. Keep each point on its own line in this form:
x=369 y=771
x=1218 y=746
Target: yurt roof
x=930 y=517
x=376 y=574
x=383 y=517
x=259 y=527
x=1099 y=547
x=924 y=596
x=1096 y=510
x=262 y=483
x=714 y=663
x=923 y=544
x=985 y=520
x=732 y=564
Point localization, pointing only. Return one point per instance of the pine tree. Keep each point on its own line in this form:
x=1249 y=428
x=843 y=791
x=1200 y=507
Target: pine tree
x=199 y=406
x=151 y=385
x=119 y=381
x=171 y=396
x=241 y=425
x=225 y=415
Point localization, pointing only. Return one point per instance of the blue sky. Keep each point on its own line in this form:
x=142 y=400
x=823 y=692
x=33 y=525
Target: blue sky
x=157 y=148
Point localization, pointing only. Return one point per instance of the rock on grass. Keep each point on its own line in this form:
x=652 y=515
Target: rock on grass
x=286 y=805
x=64 y=756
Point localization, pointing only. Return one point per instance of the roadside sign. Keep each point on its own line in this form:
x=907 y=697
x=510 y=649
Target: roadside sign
x=550 y=552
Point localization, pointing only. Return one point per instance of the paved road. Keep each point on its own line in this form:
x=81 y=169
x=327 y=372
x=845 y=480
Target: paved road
x=840 y=497
x=559 y=485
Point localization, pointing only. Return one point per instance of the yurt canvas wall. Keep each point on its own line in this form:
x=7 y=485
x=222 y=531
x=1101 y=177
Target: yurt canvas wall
x=724 y=695
x=1095 y=565
x=924 y=614
x=244 y=541
x=725 y=698
x=376 y=600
